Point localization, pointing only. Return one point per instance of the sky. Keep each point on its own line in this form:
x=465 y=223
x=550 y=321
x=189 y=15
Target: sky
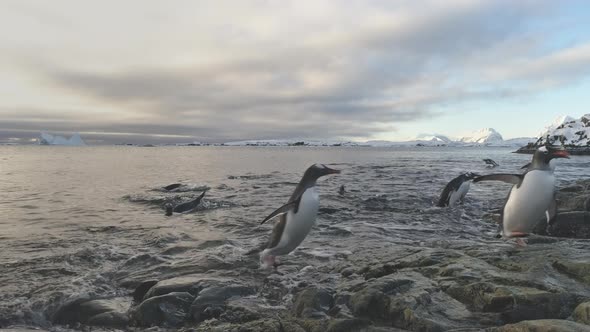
x=143 y=71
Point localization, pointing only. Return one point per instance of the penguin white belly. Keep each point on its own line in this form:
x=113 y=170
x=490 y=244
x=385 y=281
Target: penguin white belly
x=458 y=195
x=527 y=204
x=299 y=224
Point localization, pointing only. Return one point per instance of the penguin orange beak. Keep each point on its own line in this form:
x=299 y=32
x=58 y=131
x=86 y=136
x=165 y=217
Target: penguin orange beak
x=332 y=171
x=560 y=154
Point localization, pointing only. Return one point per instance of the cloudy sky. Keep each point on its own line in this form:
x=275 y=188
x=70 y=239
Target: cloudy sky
x=146 y=71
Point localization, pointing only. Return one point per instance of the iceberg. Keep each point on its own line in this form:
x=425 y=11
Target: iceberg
x=50 y=139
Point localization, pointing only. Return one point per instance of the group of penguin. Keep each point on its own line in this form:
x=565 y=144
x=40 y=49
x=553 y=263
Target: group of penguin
x=531 y=196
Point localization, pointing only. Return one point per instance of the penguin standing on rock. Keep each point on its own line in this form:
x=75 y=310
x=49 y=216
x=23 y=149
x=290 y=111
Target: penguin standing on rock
x=532 y=194
x=456 y=190
x=297 y=217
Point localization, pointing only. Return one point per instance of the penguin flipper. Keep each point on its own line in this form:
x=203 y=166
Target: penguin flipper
x=277 y=232
x=293 y=205
x=508 y=178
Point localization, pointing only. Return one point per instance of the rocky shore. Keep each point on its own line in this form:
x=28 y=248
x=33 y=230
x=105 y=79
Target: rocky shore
x=573 y=150
x=544 y=286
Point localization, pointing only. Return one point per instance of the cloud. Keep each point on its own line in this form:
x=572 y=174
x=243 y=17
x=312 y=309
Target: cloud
x=352 y=71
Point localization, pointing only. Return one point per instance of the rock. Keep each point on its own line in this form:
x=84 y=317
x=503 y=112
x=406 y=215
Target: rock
x=513 y=302
x=191 y=284
x=348 y=271
x=347 y=325
x=571 y=224
x=244 y=309
x=20 y=329
x=261 y=325
x=582 y=313
x=142 y=289
x=170 y=310
x=110 y=319
x=103 y=312
x=577 y=270
x=370 y=303
x=210 y=302
x=542 y=325
x=483 y=296
x=312 y=303
x=408 y=300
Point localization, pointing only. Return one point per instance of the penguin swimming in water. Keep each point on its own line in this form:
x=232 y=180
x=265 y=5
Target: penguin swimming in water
x=490 y=163
x=189 y=206
x=456 y=190
x=297 y=217
x=532 y=194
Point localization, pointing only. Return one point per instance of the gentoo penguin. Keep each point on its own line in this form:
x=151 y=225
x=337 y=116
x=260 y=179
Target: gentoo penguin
x=532 y=194
x=169 y=209
x=297 y=216
x=172 y=186
x=190 y=205
x=456 y=190
x=490 y=163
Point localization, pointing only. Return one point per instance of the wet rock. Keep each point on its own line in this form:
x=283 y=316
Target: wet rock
x=170 y=310
x=514 y=303
x=261 y=325
x=142 y=289
x=312 y=303
x=347 y=325
x=571 y=224
x=348 y=271
x=370 y=303
x=577 y=270
x=582 y=313
x=483 y=296
x=20 y=329
x=574 y=202
x=103 y=312
x=244 y=309
x=542 y=325
x=110 y=319
x=191 y=284
x=211 y=301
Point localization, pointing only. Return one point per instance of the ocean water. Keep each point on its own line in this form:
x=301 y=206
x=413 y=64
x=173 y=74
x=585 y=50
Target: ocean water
x=89 y=221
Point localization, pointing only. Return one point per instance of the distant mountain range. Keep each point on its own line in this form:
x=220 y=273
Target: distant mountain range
x=483 y=137
x=565 y=130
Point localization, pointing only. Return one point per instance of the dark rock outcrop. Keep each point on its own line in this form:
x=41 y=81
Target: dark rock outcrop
x=98 y=312
x=170 y=310
x=543 y=325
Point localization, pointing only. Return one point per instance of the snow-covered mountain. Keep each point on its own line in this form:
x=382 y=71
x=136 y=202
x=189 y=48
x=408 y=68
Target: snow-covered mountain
x=567 y=131
x=486 y=136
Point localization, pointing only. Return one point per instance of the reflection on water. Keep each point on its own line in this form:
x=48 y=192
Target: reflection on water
x=90 y=221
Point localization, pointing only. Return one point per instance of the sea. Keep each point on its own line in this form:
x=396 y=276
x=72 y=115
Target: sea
x=90 y=221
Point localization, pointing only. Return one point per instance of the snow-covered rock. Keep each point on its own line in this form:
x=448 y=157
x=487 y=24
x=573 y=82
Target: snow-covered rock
x=567 y=131
x=49 y=139
x=486 y=136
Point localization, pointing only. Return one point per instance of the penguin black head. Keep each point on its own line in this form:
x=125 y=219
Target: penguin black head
x=469 y=175
x=317 y=170
x=545 y=154
x=169 y=209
